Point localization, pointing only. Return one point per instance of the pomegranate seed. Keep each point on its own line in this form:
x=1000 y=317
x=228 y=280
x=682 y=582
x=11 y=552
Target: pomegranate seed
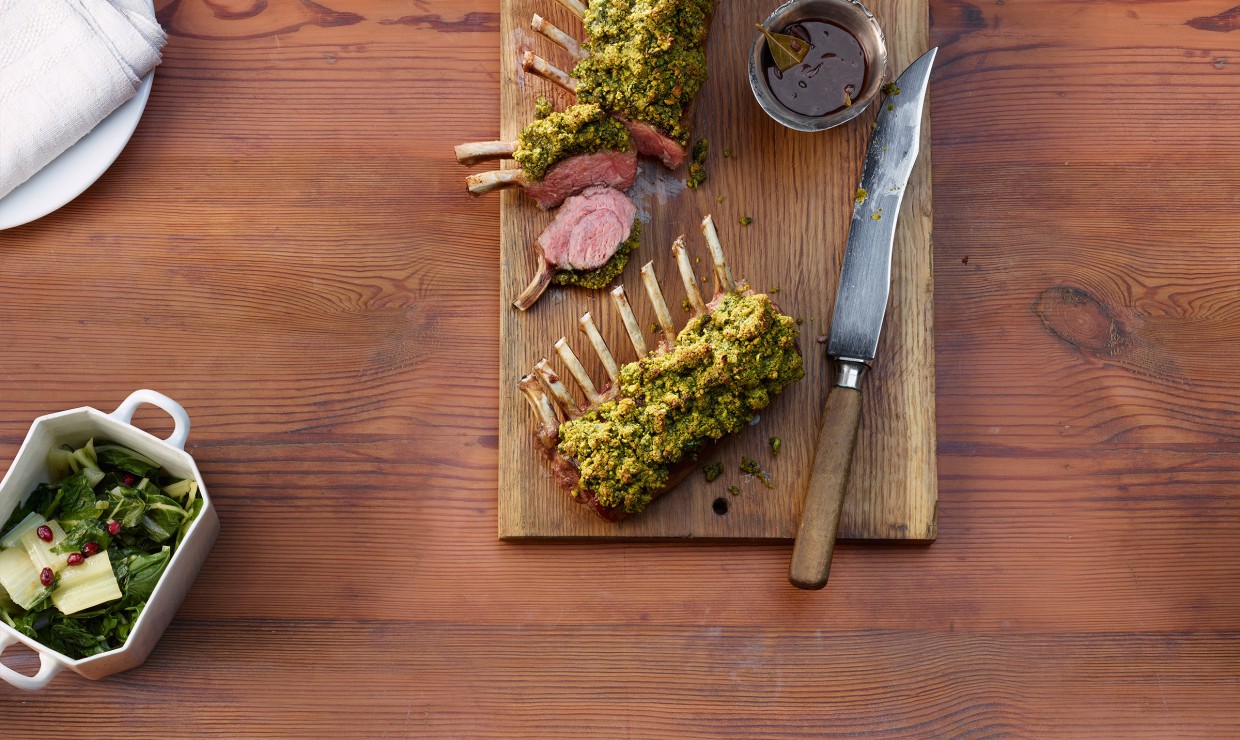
x=44 y=532
x=114 y=527
x=129 y=479
x=47 y=576
x=90 y=548
x=75 y=558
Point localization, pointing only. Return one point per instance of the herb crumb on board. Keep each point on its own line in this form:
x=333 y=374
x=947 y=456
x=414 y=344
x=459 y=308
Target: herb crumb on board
x=712 y=471
x=697 y=165
x=751 y=467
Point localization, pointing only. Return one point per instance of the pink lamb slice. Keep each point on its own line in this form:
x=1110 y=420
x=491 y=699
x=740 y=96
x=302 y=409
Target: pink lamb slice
x=652 y=143
x=588 y=228
x=576 y=173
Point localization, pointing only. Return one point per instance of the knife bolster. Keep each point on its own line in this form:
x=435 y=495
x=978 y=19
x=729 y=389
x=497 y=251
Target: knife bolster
x=848 y=372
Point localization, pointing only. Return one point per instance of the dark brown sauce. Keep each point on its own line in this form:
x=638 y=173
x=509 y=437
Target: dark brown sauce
x=831 y=76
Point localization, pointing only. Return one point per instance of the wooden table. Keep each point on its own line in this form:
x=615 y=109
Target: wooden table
x=286 y=248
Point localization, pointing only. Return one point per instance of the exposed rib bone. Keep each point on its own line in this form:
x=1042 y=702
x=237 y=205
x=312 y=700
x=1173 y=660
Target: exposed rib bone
x=537 y=286
x=555 y=388
x=531 y=62
x=577 y=371
x=586 y=322
x=660 y=306
x=485 y=182
x=630 y=321
x=688 y=278
x=474 y=152
x=576 y=7
x=539 y=402
x=558 y=36
x=723 y=274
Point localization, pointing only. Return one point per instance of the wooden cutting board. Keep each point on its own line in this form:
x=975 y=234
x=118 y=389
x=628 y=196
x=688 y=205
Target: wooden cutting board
x=798 y=189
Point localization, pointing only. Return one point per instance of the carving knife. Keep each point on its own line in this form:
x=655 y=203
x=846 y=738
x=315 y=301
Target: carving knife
x=860 y=304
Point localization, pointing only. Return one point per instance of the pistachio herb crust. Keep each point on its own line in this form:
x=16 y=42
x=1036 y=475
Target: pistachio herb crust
x=723 y=368
x=579 y=129
x=600 y=277
x=647 y=60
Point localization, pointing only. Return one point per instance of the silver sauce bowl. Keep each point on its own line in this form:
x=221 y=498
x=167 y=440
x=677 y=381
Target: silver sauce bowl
x=851 y=15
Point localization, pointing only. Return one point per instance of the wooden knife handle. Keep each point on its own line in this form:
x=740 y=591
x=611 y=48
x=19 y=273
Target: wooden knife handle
x=824 y=499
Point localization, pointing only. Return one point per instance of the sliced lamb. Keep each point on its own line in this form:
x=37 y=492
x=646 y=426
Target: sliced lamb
x=577 y=173
x=652 y=143
x=584 y=236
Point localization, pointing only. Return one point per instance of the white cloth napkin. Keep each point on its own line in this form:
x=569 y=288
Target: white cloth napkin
x=64 y=66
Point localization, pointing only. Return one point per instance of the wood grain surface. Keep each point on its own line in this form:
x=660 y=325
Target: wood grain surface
x=285 y=247
x=797 y=189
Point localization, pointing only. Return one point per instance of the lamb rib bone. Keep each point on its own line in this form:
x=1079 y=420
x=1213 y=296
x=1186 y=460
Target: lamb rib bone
x=543 y=408
x=474 y=152
x=630 y=321
x=560 y=397
x=660 y=305
x=557 y=36
x=481 y=183
x=723 y=274
x=569 y=358
x=586 y=322
x=531 y=62
x=696 y=305
x=576 y=7
x=539 y=284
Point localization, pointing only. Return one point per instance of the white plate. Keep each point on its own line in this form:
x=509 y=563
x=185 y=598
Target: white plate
x=77 y=168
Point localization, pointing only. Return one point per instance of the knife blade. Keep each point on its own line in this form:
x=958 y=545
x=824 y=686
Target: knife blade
x=860 y=305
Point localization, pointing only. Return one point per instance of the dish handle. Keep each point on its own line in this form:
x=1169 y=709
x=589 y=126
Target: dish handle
x=180 y=433
x=49 y=666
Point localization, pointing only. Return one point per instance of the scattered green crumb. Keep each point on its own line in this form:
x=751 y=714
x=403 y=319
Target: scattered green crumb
x=745 y=220
x=697 y=165
x=847 y=100
x=712 y=471
x=718 y=198
x=776 y=443
x=876 y=216
x=654 y=328
x=800 y=321
x=751 y=467
x=686 y=305
x=891 y=88
x=542 y=108
x=601 y=276
x=734 y=490
x=861 y=196
x=891 y=106
x=773 y=291
x=727 y=153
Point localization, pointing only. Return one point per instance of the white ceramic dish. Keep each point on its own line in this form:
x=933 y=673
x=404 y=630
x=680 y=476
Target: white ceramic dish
x=78 y=167
x=29 y=469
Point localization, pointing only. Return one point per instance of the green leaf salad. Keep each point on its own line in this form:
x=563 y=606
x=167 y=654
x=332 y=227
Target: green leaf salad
x=80 y=558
